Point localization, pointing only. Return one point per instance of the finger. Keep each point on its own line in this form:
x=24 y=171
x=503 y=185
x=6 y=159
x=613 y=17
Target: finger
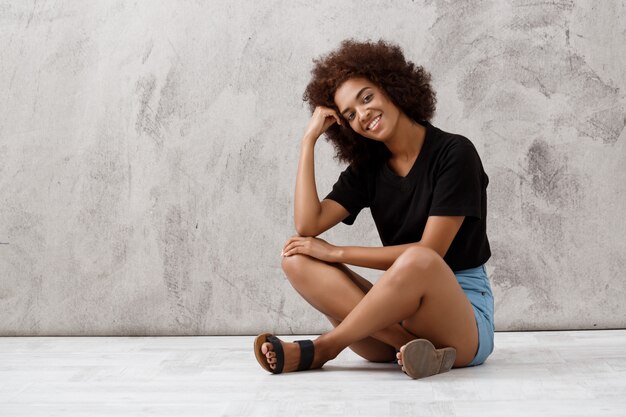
x=282 y=251
x=286 y=244
x=331 y=113
x=287 y=248
x=292 y=237
x=328 y=121
x=296 y=247
x=293 y=251
x=334 y=115
x=290 y=241
x=291 y=246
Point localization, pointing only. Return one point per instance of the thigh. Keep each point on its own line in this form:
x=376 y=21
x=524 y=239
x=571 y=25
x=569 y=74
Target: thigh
x=445 y=315
x=328 y=287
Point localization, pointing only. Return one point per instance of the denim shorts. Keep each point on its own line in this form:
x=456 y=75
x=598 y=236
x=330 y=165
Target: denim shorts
x=475 y=285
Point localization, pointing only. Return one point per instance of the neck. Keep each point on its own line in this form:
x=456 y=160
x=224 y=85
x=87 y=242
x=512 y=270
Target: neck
x=407 y=141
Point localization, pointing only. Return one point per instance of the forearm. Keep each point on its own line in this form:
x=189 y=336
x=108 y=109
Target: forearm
x=377 y=258
x=307 y=206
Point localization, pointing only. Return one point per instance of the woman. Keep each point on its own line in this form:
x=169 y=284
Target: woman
x=432 y=309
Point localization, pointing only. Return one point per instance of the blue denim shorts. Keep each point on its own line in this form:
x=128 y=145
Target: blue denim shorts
x=475 y=285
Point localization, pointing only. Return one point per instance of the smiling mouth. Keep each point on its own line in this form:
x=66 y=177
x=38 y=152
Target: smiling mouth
x=373 y=123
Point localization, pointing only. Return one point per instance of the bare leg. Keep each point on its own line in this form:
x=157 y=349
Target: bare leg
x=335 y=290
x=419 y=288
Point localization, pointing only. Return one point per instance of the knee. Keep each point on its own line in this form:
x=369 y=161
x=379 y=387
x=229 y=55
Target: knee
x=417 y=259
x=294 y=265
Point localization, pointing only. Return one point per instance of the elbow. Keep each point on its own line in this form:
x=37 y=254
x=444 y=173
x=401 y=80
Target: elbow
x=441 y=251
x=305 y=230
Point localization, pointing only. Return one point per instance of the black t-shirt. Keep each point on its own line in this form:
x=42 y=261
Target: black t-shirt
x=447 y=179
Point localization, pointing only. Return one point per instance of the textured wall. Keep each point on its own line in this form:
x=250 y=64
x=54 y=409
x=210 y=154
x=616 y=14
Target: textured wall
x=148 y=153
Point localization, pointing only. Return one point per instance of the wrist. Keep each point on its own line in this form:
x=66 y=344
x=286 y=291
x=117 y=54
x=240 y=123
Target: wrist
x=338 y=253
x=309 y=139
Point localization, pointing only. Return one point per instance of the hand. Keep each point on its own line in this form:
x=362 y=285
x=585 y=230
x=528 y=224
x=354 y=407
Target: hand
x=321 y=120
x=312 y=246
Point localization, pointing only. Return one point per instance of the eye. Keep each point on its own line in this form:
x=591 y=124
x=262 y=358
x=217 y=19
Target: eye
x=350 y=116
x=368 y=98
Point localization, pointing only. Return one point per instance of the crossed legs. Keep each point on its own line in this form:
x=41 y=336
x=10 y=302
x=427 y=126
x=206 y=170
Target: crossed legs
x=419 y=289
x=335 y=290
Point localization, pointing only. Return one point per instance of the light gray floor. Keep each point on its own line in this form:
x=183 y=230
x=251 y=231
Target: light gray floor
x=529 y=374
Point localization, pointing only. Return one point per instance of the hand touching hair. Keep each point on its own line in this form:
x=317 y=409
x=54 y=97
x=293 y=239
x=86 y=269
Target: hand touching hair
x=406 y=84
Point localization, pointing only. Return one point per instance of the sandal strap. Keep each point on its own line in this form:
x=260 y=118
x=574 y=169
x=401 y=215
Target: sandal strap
x=280 y=354
x=307 y=349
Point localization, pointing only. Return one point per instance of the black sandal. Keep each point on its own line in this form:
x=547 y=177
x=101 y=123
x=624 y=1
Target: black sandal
x=306 y=353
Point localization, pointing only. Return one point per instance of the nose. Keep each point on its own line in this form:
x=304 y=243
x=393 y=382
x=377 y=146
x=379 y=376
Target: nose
x=363 y=114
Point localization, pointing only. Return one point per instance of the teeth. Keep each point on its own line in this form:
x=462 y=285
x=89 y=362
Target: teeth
x=373 y=123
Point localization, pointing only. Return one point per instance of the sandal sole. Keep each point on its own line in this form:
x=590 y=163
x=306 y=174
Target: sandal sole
x=421 y=359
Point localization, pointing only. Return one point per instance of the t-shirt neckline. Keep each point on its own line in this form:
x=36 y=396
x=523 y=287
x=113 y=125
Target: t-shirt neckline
x=414 y=168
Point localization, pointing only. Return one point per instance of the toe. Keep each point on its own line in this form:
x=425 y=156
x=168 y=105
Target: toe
x=270 y=355
x=400 y=354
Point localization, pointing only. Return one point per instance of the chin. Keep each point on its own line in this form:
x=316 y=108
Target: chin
x=382 y=140
x=376 y=138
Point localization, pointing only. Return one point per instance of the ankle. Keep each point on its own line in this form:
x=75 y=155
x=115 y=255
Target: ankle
x=395 y=335
x=326 y=347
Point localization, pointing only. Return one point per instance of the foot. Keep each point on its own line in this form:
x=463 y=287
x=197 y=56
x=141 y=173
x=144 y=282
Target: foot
x=292 y=355
x=424 y=359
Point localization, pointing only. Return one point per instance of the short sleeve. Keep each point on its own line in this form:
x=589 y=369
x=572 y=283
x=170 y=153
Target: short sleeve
x=351 y=191
x=458 y=184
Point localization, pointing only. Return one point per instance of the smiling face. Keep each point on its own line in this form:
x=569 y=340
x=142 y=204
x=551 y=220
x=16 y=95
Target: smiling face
x=367 y=109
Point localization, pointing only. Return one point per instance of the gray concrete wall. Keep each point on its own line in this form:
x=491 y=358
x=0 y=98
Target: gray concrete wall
x=148 y=153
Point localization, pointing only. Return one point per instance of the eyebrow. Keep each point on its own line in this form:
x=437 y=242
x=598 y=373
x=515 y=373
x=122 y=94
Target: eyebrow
x=357 y=97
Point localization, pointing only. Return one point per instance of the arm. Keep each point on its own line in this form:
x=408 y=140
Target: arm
x=438 y=235
x=312 y=217
x=307 y=205
x=377 y=258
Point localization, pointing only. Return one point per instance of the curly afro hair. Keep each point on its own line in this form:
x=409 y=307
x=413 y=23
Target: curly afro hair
x=382 y=63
